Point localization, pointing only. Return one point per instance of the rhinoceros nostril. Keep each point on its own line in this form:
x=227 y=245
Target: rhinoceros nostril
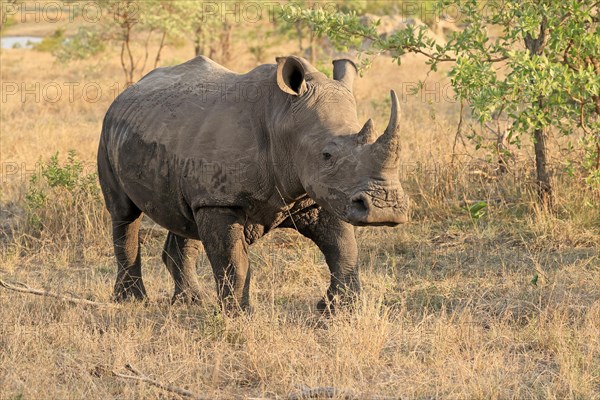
x=360 y=205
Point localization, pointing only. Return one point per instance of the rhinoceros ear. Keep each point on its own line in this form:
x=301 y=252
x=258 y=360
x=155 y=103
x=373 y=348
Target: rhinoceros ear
x=345 y=71
x=290 y=75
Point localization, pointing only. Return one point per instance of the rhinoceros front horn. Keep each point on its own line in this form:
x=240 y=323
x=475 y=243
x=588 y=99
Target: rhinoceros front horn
x=386 y=149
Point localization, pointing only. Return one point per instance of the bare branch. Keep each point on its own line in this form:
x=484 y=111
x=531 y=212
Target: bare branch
x=321 y=393
x=160 y=47
x=305 y=394
x=123 y=66
x=138 y=376
x=146 y=43
x=132 y=64
x=328 y=392
x=582 y=118
x=23 y=288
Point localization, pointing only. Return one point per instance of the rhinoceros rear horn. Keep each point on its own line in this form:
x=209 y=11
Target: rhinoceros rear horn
x=387 y=147
x=345 y=71
x=367 y=134
x=290 y=75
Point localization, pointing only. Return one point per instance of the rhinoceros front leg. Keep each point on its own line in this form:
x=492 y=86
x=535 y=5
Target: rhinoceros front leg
x=336 y=240
x=222 y=234
x=179 y=256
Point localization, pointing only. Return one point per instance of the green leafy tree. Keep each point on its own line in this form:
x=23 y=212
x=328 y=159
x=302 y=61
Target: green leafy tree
x=146 y=18
x=210 y=27
x=549 y=52
x=132 y=26
x=135 y=27
x=302 y=31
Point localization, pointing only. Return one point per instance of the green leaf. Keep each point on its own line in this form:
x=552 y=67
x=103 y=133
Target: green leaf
x=534 y=280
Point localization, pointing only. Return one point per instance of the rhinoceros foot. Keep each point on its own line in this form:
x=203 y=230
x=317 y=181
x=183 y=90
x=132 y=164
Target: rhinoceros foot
x=326 y=307
x=131 y=289
x=330 y=304
x=340 y=296
x=232 y=310
x=188 y=296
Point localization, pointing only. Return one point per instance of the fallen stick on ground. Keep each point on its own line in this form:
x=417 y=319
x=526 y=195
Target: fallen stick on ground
x=333 y=393
x=321 y=393
x=305 y=394
x=138 y=376
x=23 y=288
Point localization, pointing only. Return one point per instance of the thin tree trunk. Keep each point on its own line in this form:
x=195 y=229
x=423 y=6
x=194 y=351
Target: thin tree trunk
x=160 y=48
x=597 y=134
x=132 y=64
x=198 y=47
x=313 y=50
x=541 y=167
x=501 y=146
x=536 y=47
x=146 y=52
x=123 y=66
x=125 y=21
x=300 y=36
x=225 y=42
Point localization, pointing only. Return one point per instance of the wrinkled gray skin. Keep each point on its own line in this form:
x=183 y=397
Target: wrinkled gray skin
x=223 y=158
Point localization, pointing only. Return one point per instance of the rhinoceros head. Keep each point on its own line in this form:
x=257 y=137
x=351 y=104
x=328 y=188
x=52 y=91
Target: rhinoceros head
x=346 y=168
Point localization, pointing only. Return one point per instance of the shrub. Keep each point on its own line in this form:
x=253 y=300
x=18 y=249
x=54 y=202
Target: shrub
x=51 y=43
x=85 y=43
x=63 y=205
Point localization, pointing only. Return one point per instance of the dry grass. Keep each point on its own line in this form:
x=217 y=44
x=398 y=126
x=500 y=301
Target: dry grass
x=449 y=308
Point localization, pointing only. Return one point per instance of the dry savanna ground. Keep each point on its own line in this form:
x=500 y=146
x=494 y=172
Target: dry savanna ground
x=456 y=305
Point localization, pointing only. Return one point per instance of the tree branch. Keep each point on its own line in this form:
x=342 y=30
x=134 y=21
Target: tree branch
x=138 y=376
x=23 y=288
x=325 y=392
x=146 y=42
x=160 y=47
x=566 y=56
x=414 y=49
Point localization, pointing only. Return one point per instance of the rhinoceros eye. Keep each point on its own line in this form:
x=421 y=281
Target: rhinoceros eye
x=326 y=156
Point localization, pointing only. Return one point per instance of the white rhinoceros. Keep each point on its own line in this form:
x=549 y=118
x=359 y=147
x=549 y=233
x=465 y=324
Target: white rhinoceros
x=223 y=158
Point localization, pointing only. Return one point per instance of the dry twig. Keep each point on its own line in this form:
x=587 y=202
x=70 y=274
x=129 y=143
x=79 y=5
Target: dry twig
x=328 y=392
x=305 y=394
x=322 y=393
x=138 y=376
x=23 y=288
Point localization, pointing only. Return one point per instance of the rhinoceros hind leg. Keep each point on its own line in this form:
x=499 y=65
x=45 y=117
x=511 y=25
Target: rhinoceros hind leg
x=126 y=218
x=179 y=256
x=129 y=284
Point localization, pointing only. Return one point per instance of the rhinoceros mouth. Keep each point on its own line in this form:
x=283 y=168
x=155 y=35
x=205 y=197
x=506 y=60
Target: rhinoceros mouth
x=388 y=224
x=377 y=208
